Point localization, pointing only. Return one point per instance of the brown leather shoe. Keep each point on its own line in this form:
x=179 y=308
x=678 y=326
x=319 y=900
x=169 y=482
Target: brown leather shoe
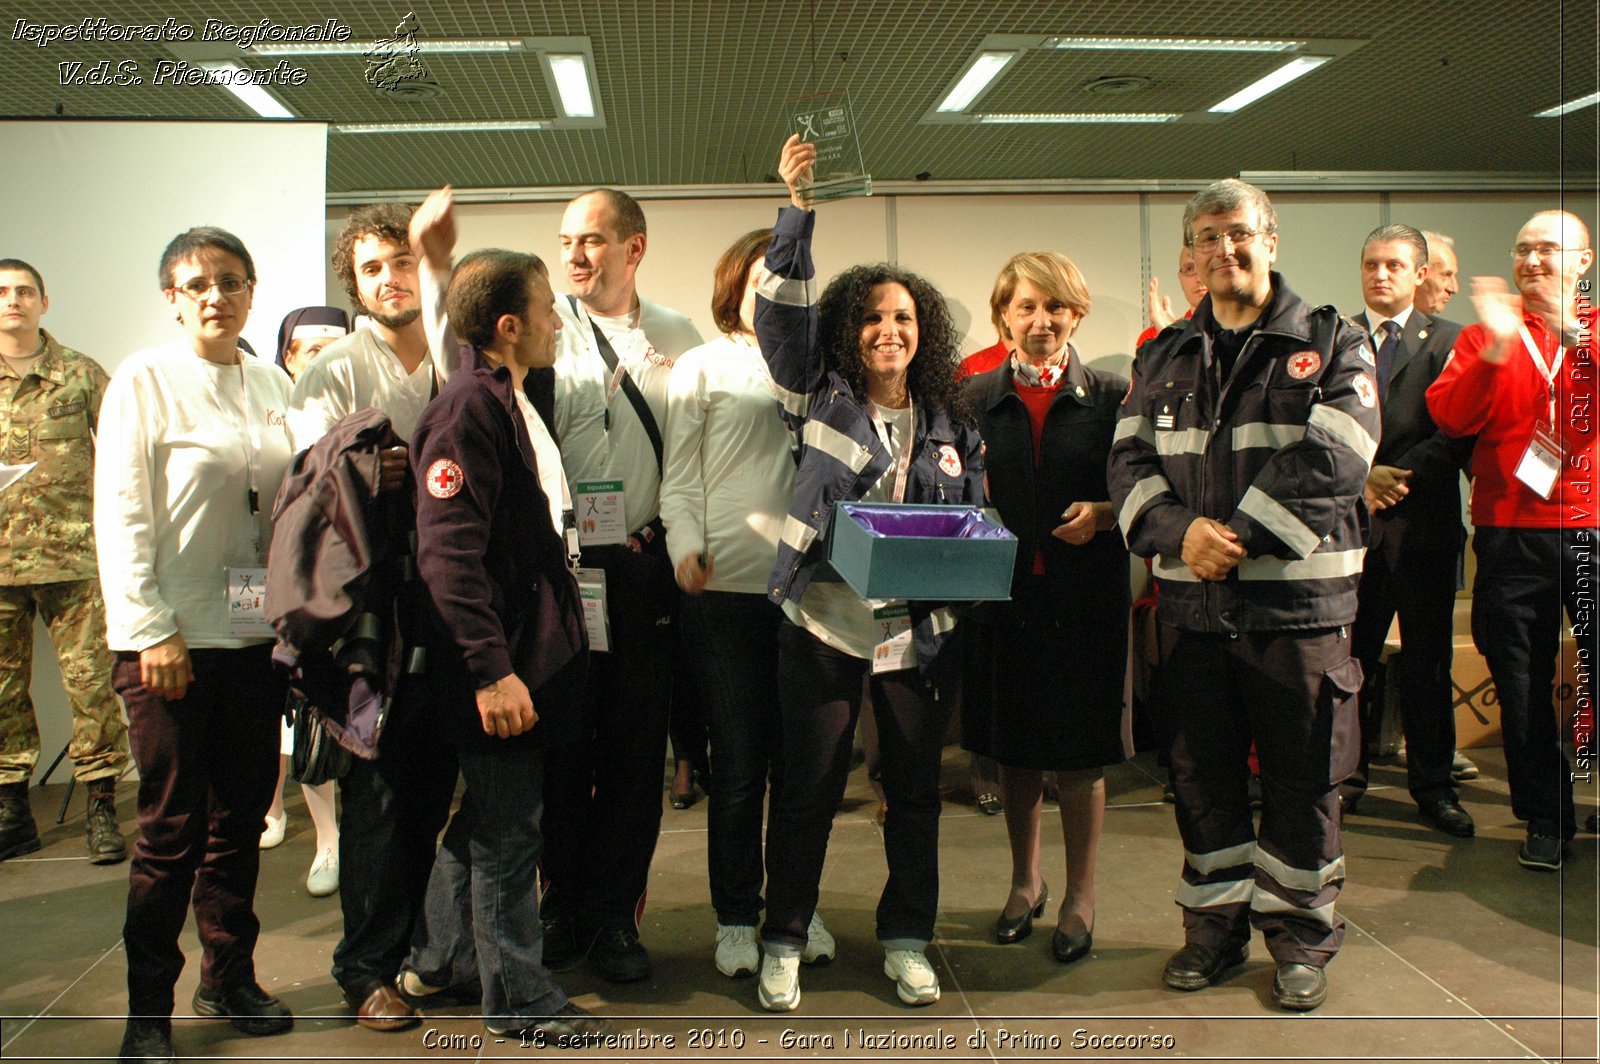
x=384 y=1010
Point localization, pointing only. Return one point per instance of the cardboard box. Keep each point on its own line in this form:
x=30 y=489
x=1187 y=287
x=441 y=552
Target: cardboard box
x=928 y=553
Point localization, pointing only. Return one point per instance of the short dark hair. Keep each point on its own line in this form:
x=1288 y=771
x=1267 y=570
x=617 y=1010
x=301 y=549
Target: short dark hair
x=1221 y=197
x=18 y=264
x=1399 y=234
x=484 y=286
x=386 y=221
x=842 y=313
x=727 y=287
x=191 y=242
x=626 y=214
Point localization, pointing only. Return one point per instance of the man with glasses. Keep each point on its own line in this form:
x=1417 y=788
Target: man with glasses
x=1238 y=465
x=49 y=403
x=1159 y=307
x=1523 y=380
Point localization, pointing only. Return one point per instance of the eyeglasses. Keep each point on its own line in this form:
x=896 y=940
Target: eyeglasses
x=1542 y=252
x=1238 y=237
x=198 y=289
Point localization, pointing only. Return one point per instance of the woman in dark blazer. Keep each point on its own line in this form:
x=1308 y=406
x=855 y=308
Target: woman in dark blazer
x=1044 y=672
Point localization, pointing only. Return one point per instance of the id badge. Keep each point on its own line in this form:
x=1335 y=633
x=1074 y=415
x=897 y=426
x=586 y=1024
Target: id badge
x=592 y=593
x=1540 y=465
x=602 y=520
x=615 y=382
x=895 y=649
x=245 y=591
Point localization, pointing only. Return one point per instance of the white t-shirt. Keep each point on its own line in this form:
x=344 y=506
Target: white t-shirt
x=353 y=373
x=729 y=470
x=180 y=443
x=552 y=478
x=589 y=449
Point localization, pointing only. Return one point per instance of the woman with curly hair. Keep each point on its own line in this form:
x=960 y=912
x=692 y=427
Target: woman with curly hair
x=866 y=381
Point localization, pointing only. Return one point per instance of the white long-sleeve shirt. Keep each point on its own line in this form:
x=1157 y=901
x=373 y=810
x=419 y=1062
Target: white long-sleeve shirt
x=181 y=441
x=729 y=471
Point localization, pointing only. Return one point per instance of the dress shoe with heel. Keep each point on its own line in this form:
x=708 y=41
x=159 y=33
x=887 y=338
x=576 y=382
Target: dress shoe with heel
x=1009 y=929
x=1068 y=948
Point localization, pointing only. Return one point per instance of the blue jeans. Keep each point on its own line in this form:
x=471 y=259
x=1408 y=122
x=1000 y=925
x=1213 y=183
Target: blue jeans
x=481 y=913
x=732 y=639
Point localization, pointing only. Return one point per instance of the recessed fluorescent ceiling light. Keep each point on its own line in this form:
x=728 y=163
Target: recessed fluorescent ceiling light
x=572 y=83
x=984 y=69
x=1571 y=105
x=441 y=46
x=236 y=81
x=1274 y=81
x=1085 y=117
x=443 y=127
x=1171 y=44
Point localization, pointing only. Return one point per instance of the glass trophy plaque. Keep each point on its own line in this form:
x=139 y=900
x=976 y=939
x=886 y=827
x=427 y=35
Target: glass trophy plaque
x=828 y=122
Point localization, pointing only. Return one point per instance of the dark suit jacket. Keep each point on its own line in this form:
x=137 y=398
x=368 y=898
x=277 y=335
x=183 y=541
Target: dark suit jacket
x=1410 y=438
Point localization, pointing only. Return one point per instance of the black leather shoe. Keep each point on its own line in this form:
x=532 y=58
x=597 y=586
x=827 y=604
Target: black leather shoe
x=1197 y=967
x=562 y=950
x=1299 y=987
x=1068 y=948
x=147 y=1041
x=1447 y=815
x=619 y=956
x=572 y=1027
x=1014 y=929
x=250 y=1008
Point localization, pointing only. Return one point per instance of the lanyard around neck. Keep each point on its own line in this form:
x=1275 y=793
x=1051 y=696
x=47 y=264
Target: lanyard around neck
x=902 y=461
x=1547 y=371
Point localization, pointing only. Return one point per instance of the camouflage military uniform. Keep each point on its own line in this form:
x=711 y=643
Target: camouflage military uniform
x=47 y=563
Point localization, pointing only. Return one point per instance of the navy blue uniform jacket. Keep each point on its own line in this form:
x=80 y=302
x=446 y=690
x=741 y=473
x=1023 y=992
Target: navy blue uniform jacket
x=503 y=597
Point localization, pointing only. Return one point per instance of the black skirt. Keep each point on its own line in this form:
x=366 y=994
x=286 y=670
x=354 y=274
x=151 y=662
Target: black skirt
x=1042 y=680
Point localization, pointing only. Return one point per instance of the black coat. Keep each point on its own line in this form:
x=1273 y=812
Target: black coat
x=1076 y=442
x=504 y=599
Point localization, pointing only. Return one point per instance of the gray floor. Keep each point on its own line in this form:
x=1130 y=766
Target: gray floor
x=1452 y=952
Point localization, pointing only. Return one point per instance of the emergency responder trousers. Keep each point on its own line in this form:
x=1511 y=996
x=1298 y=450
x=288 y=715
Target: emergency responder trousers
x=1294 y=694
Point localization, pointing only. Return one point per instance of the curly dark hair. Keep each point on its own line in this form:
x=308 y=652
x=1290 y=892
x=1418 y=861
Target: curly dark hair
x=386 y=221
x=841 y=315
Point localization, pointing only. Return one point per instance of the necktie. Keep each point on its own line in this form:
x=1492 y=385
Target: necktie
x=1386 y=352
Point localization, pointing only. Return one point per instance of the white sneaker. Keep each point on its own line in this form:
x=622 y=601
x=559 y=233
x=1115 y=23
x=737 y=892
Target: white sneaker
x=779 y=988
x=914 y=977
x=411 y=986
x=272 y=835
x=820 y=946
x=323 y=879
x=737 y=952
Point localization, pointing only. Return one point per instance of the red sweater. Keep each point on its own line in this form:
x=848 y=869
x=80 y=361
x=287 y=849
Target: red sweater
x=982 y=361
x=1500 y=404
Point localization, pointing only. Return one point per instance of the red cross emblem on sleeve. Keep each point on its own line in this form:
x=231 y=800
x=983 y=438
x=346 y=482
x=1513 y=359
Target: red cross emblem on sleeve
x=1303 y=364
x=444 y=479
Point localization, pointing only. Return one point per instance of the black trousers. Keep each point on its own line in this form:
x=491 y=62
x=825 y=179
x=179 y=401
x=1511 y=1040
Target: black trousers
x=1410 y=570
x=602 y=792
x=1294 y=694
x=208 y=764
x=392 y=811
x=1525 y=576
x=820 y=696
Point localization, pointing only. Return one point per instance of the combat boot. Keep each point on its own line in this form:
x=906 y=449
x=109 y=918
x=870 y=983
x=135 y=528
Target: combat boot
x=100 y=825
x=18 y=835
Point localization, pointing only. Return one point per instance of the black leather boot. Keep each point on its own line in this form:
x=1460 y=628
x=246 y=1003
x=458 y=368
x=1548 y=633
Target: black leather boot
x=18 y=833
x=100 y=825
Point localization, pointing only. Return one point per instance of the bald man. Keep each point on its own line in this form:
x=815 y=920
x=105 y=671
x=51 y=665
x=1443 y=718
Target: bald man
x=1523 y=380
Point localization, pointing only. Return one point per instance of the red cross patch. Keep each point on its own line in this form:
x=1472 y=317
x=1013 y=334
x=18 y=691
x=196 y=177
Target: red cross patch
x=444 y=479
x=1366 y=391
x=949 y=460
x=1303 y=364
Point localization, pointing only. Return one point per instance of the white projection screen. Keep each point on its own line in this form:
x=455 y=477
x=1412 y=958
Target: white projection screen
x=92 y=204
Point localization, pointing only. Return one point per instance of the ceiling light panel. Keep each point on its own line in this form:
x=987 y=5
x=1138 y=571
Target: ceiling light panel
x=980 y=74
x=425 y=46
x=237 y=79
x=1171 y=44
x=1076 y=118
x=1284 y=75
x=574 y=86
x=1570 y=106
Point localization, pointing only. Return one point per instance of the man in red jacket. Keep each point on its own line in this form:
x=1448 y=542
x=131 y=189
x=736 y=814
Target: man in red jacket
x=1523 y=380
